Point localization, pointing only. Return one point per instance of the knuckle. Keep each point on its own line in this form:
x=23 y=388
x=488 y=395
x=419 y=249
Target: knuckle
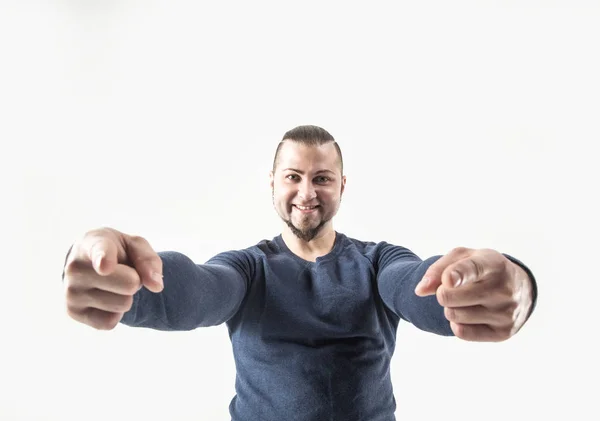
x=128 y=303
x=443 y=296
x=450 y=314
x=149 y=260
x=509 y=314
x=111 y=302
x=105 y=321
x=505 y=292
x=477 y=267
x=72 y=296
x=92 y=232
x=113 y=320
x=108 y=324
x=94 y=235
x=73 y=313
x=503 y=334
x=144 y=252
x=122 y=304
x=126 y=282
x=138 y=240
x=132 y=290
x=78 y=275
x=100 y=231
x=72 y=270
x=130 y=286
x=460 y=250
x=460 y=331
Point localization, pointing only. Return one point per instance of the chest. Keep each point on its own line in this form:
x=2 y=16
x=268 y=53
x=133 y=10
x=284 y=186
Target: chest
x=319 y=300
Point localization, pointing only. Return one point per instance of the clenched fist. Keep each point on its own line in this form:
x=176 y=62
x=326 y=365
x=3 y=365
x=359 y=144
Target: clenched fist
x=485 y=296
x=103 y=272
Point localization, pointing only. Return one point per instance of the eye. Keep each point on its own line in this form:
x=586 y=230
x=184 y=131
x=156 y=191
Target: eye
x=323 y=179
x=292 y=177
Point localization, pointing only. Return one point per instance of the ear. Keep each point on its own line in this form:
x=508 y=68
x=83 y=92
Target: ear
x=272 y=180
x=343 y=185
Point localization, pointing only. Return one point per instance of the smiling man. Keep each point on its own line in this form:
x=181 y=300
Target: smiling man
x=312 y=314
x=307 y=183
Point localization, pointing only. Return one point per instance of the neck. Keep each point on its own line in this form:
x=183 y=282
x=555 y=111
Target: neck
x=310 y=250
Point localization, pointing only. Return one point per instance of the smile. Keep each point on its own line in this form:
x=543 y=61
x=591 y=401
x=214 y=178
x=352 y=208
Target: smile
x=306 y=209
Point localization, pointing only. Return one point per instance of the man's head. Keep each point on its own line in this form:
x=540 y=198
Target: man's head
x=307 y=180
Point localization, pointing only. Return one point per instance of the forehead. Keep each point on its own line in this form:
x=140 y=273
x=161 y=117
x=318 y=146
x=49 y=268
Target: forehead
x=306 y=158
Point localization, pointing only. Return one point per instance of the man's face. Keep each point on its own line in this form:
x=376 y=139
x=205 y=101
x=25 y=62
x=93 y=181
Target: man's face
x=307 y=187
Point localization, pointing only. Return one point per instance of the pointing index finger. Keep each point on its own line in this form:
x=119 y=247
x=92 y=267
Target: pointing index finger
x=465 y=271
x=482 y=264
x=436 y=274
x=102 y=249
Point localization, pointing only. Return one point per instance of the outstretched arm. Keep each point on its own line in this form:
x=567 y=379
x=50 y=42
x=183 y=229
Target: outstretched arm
x=193 y=295
x=495 y=298
x=111 y=277
x=399 y=272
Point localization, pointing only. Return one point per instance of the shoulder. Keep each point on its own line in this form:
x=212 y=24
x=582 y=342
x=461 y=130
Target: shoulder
x=247 y=257
x=380 y=253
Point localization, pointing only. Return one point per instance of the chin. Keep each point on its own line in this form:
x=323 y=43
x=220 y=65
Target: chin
x=306 y=233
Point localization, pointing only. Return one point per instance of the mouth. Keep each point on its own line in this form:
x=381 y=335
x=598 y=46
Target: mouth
x=306 y=209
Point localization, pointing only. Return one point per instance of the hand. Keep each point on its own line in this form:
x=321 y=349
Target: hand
x=485 y=296
x=103 y=272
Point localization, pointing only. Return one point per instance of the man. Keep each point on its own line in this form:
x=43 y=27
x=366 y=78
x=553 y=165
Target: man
x=312 y=315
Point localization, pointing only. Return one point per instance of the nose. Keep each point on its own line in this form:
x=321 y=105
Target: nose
x=306 y=191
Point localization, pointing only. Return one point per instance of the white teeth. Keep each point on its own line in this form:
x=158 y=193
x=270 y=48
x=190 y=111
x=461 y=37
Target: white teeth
x=305 y=207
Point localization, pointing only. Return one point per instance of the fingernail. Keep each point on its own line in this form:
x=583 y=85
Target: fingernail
x=455 y=276
x=424 y=282
x=157 y=277
x=98 y=259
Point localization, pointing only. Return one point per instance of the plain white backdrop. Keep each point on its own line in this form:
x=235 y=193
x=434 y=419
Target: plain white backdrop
x=462 y=123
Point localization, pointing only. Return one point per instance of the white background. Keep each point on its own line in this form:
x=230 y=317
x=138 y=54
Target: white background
x=462 y=123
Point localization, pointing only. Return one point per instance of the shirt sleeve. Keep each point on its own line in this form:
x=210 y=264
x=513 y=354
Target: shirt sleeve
x=194 y=295
x=399 y=271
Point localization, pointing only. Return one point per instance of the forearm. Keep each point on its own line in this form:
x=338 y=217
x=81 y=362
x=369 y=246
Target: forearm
x=193 y=296
x=397 y=284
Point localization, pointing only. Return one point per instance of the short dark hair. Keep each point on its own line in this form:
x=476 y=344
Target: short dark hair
x=311 y=136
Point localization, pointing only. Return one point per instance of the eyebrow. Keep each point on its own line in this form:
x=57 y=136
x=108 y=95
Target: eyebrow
x=302 y=172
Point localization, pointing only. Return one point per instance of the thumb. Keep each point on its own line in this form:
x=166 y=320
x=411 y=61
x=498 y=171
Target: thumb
x=432 y=281
x=146 y=262
x=433 y=275
x=428 y=285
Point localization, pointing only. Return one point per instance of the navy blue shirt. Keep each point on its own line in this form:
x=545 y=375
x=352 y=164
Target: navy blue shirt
x=312 y=341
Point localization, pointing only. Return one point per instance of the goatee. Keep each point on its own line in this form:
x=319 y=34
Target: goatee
x=308 y=234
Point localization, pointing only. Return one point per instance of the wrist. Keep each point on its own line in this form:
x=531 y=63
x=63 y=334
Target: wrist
x=525 y=291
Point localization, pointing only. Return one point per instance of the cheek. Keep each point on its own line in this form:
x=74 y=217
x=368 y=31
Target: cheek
x=283 y=197
x=330 y=195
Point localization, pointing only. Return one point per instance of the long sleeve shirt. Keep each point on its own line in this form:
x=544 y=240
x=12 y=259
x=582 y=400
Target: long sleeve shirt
x=312 y=341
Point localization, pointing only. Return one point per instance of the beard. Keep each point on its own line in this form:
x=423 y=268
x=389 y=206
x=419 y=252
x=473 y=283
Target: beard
x=306 y=234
